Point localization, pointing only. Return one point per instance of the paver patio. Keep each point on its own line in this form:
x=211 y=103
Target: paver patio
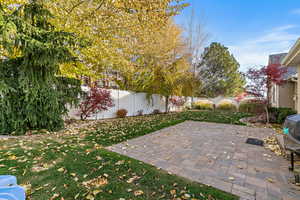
x=216 y=155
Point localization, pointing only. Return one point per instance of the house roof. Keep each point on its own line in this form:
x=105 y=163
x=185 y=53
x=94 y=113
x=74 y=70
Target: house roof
x=278 y=59
x=291 y=73
x=293 y=57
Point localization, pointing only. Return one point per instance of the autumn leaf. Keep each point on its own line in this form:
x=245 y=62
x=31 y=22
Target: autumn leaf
x=96 y=182
x=173 y=192
x=61 y=169
x=90 y=197
x=270 y=180
x=138 y=193
x=55 y=196
x=132 y=179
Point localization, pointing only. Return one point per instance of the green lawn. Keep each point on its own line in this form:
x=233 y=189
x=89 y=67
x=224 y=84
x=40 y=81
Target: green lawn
x=73 y=164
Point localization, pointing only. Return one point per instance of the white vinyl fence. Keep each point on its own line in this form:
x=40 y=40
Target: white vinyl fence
x=135 y=102
x=131 y=101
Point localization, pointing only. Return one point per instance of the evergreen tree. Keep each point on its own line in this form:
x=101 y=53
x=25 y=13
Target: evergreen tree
x=218 y=72
x=33 y=95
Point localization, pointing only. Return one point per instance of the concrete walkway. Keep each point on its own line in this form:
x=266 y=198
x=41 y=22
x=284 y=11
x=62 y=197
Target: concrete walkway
x=216 y=155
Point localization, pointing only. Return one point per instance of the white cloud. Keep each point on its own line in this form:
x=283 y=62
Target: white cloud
x=296 y=11
x=256 y=51
x=284 y=28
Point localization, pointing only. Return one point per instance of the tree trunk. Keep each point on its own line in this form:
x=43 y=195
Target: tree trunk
x=167 y=104
x=269 y=87
x=267 y=114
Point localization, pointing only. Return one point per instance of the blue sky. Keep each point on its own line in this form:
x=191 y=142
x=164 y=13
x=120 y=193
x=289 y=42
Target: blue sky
x=252 y=29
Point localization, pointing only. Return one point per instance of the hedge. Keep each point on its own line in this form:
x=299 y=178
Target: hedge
x=227 y=106
x=280 y=114
x=252 y=107
x=203 y=105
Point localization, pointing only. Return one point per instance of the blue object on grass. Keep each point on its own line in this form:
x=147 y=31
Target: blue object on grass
x=5 y=196
x=9 y=190
x=286 y=131
x=6 y=180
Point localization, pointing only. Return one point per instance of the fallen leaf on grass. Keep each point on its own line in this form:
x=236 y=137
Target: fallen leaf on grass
x=173 y=192
x=95 y=192
x=98 y=158
x=61 y=169
x=90 y=197
x=73 y=174
x=40 y=167
x=77 y=195
x=131 y=180
x=12 y=157
x=138 y=192
x=54 y=196
x=96 y=182
x=186 y=196
x=121 y=162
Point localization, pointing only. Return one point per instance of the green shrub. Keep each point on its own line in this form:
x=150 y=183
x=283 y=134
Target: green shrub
x=251 y=107
x=33 y=93
x=227 y=106
x=203 y=105
x=280 y=114
x=156 y=112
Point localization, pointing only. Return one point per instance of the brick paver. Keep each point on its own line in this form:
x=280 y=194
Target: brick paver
x=216 y=155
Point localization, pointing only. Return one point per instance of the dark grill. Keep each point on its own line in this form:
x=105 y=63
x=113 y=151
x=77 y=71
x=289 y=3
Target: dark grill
x=292 y=124
x=292 y=129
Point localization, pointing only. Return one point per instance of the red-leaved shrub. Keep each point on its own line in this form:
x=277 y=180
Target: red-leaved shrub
x=97 y=100
x=121 y=113
x=177 y=101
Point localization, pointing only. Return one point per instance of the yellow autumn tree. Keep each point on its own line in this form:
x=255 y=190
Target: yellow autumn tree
x=7 y=3
x=113 y=28
x=135 y=38
x=162 y=66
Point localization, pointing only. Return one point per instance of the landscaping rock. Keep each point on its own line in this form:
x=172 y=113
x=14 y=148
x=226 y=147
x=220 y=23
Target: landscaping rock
x=261 y=118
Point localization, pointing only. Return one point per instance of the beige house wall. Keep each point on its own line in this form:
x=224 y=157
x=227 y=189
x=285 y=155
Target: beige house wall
x=298 y=90
x=296 y=95
x=293 y=59
x=286 y=95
